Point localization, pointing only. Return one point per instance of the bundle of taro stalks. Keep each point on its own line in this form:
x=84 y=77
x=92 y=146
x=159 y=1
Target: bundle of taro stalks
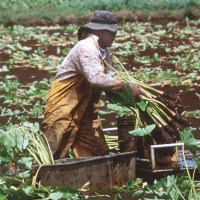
x=159 y=108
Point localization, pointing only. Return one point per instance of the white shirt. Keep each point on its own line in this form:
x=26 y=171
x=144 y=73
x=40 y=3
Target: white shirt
x=86 y=58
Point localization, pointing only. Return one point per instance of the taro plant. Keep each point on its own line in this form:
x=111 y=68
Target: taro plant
x=182 y=186
x=156 y=112
x=24 y=141
x=20 y=102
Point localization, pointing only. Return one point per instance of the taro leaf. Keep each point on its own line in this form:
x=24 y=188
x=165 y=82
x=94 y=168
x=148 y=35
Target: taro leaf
x=138 y=193
x=2 y=194
x=117 y=98
x=123 y=98
x=68 y=192
x=120 y=189
x=4 y=157
x=118 y=197
x=132 y=184
x=168 y=183
x=24 y=175
x=26 y=140
x=26 y=124
x=129 y=94
x=103 y=112
x=19 y=139
x=143 y=131
x=17 y=193
x=28 y=189
x=192 y=75
x=23 y=48
x=120 y=110
x=27 y=161
x=156 y=57
x=197 y=160
x=188 y=139
x=55 y=196
x=142 y=105
x=35 y=127
x=7 y=140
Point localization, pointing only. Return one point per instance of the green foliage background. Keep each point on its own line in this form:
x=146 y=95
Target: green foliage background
x=18 y=11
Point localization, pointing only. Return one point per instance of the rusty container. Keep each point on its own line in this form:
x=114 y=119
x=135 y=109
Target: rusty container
x=101 y=172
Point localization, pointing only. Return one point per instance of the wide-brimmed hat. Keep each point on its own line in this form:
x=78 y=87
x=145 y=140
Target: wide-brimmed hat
x=103 y=20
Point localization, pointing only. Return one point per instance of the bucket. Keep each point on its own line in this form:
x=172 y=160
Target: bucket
x=127 y=142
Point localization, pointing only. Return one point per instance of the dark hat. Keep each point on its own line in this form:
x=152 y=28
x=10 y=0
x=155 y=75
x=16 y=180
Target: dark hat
x=103 y=20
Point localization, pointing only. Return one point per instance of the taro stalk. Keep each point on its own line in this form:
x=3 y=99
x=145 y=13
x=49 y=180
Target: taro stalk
x=190 y=142
x=24 y=140
x=112 y=142
x=38 y=145
x=157 y=107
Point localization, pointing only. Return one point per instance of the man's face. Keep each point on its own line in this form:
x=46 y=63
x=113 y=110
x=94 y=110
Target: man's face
x=106 y=38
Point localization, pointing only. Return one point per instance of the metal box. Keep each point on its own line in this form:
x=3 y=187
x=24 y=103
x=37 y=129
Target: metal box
x=102 y=172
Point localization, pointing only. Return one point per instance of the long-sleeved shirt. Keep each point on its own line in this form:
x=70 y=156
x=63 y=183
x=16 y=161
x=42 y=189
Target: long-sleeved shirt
x=86 y=58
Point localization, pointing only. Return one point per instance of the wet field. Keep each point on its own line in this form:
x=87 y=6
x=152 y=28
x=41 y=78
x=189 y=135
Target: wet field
x=163 y=54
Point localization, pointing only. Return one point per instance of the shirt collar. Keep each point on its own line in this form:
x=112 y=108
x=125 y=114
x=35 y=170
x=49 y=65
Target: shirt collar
x=102 y=52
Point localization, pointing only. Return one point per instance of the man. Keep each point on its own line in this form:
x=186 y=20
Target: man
x=71 y=117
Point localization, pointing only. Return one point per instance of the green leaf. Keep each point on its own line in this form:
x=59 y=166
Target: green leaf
x=55 y=196
x=24 y=175
x=23 y=48
x=118 y=197
x=26 y=124
x=68 y=192
x=143 y=131
x=156 y=57
x=103 y=112
x=197 y=160
x=131 y=184
x=168 y=184
x=35 y=127
x=188 y=139
x=27 y=161
x=120 y=110
x=4 y=158
x=28 y=189
x=17 y=193
x=142 y=105
x=7 y=139
x=19 y=139
x=123 y=98
x=138 y=193
x=2 y=194
x=26 y=140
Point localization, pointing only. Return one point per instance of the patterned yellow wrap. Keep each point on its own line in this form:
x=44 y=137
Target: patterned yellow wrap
x=71 y=119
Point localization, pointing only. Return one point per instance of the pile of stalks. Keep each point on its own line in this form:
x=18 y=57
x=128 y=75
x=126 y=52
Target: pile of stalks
x=112 y=142
x=163 y=110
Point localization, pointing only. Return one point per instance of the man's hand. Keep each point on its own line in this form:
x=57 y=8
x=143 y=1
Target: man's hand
x=137 y=91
